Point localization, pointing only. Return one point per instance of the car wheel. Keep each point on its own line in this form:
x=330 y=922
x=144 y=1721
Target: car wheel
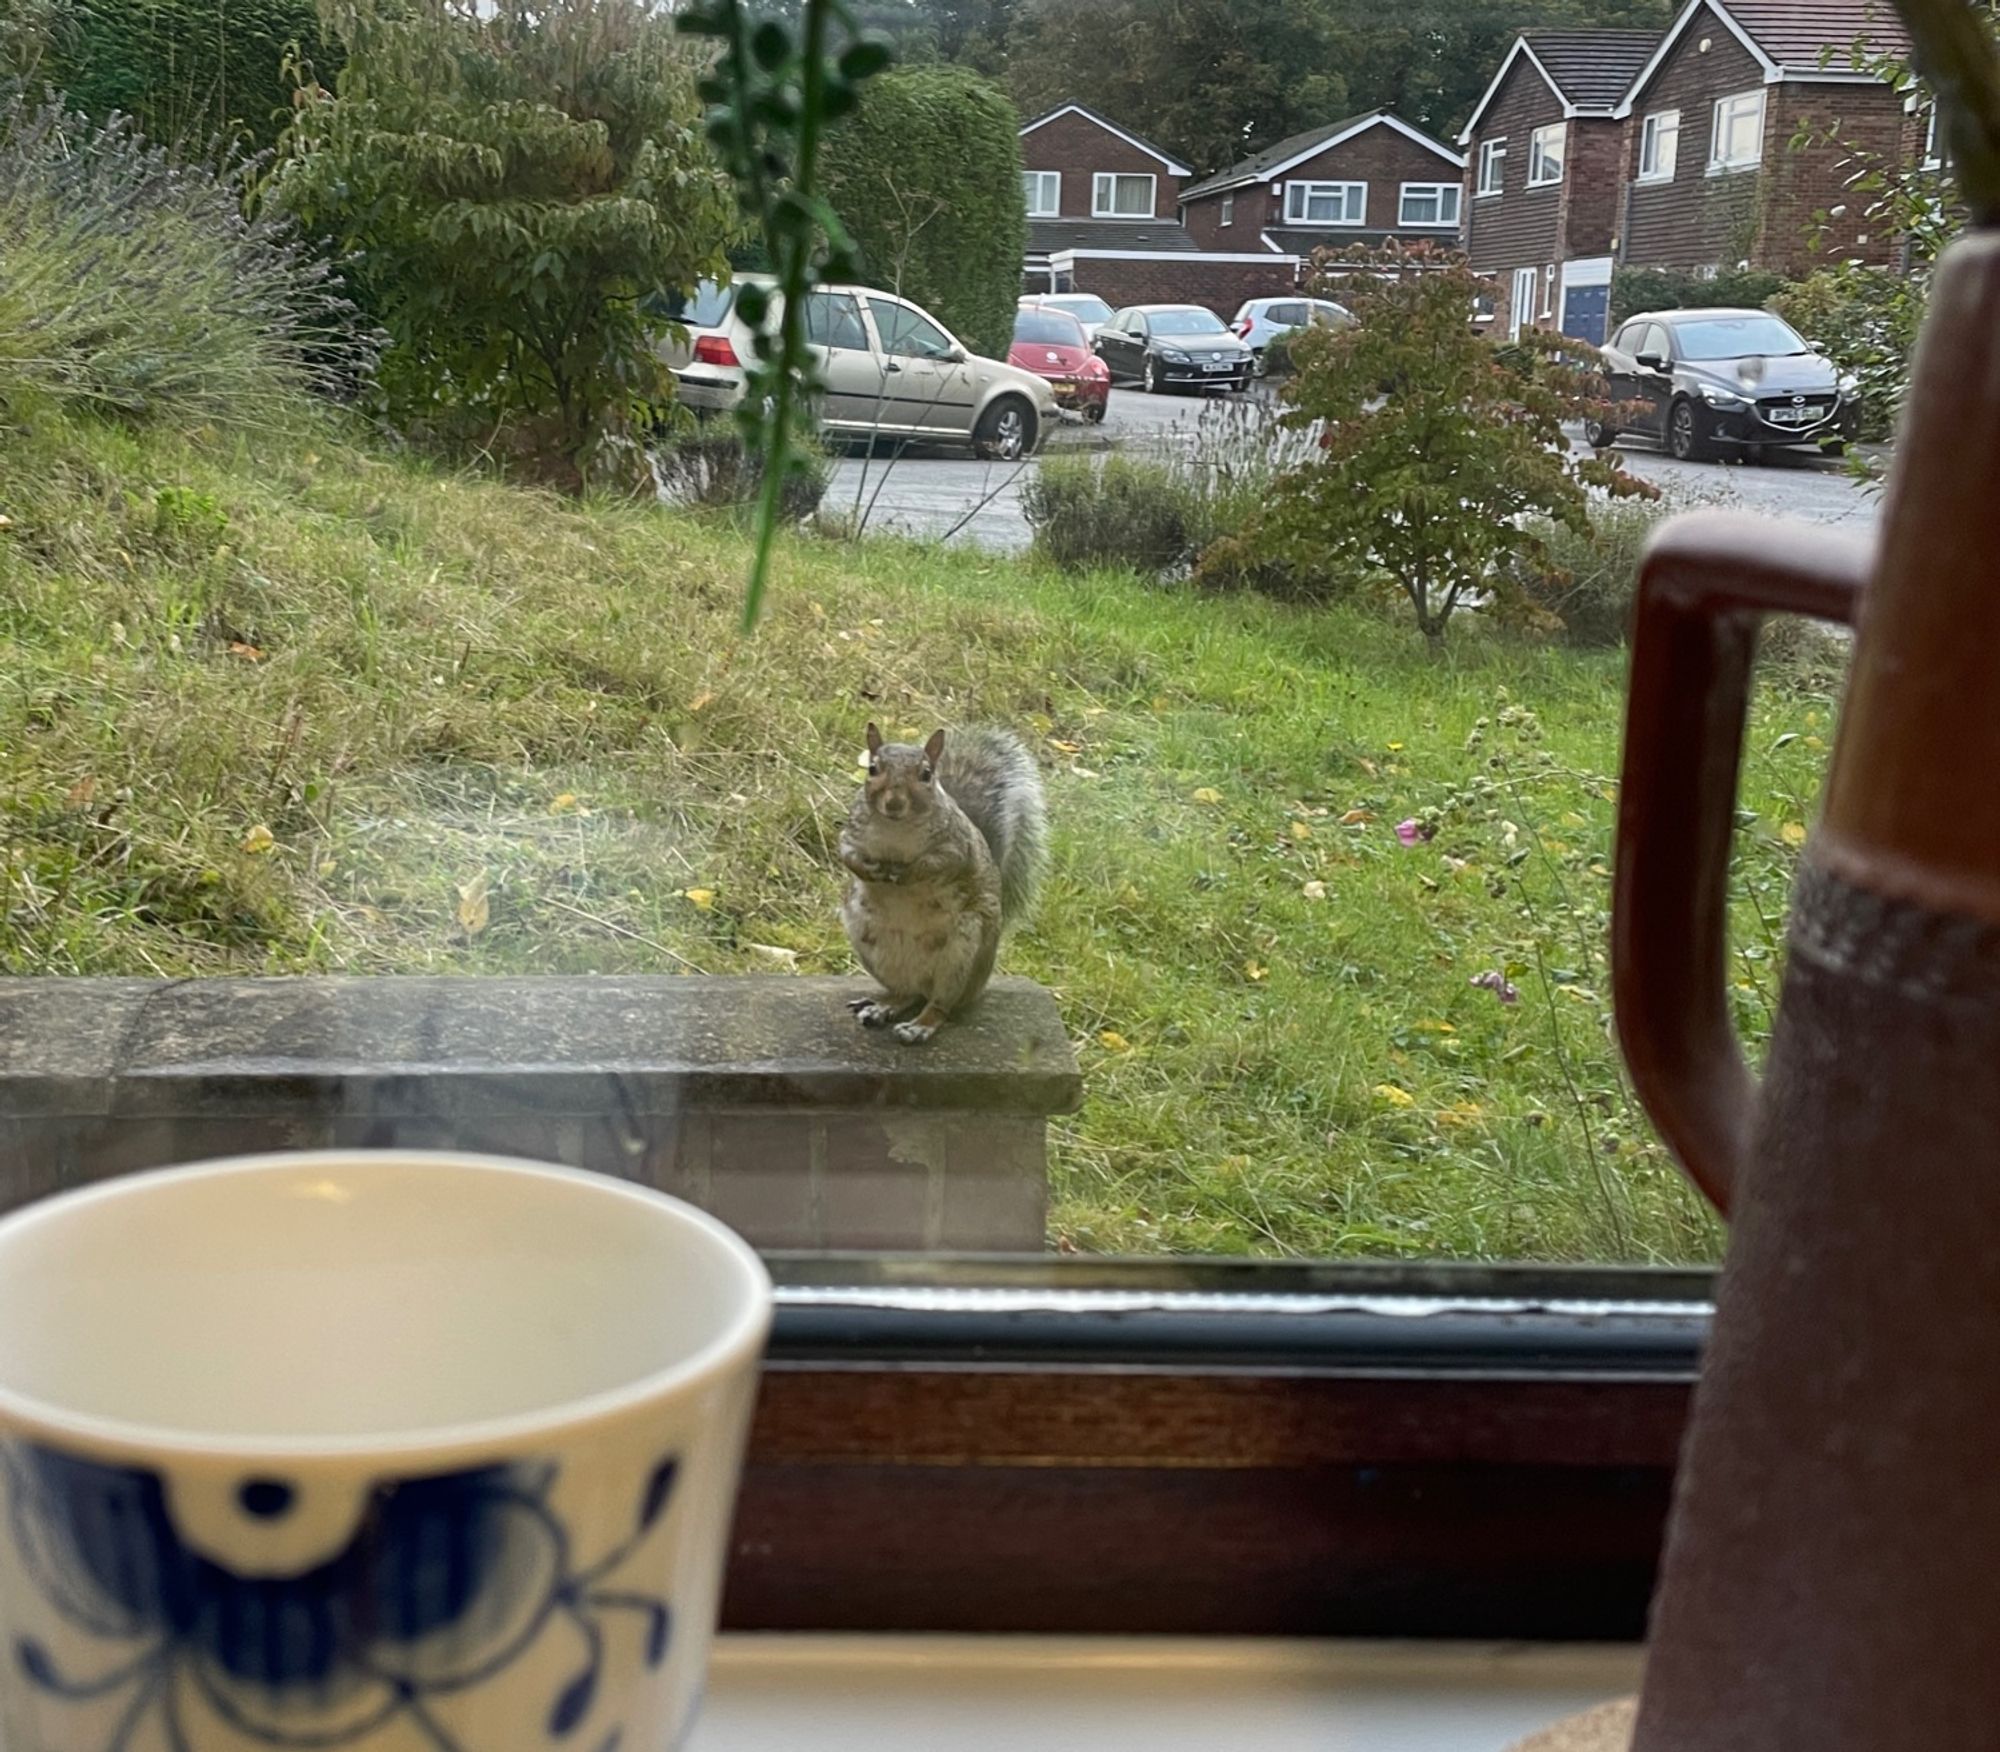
x=1257 y=363
x=1154 y=384
x=1685 y=438
x=1096 y=411
x=1006 y=431
x=1601 y=436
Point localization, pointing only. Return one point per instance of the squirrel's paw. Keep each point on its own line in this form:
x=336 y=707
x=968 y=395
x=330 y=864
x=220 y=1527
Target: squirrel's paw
x=915 y=1033
x=873 y=1013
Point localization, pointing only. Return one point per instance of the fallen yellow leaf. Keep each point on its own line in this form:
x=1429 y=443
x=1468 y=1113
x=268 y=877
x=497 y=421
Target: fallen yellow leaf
x=1066 y=747
x=1793 y=833
x=474 y=912
x=1814 y=742
x=1112 y=1041
x=1300 y=831
x=1314 y=891
x=249 y=653
x=1572 y=819
x=1255 y=969
x=1394 y=1096
x=1355 y=817
x=1208 y=794
x=1395 y=748
x=774 y=952
x=82 y=792
x=258 y=840
x=705 y=698
x=563 y=804
x=1460 y=1113
x=703 y=898
x=1436 y=1028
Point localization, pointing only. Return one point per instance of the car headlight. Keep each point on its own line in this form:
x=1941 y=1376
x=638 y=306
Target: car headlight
x=1850 y=385
x=1723 y=398
x=1173 y=356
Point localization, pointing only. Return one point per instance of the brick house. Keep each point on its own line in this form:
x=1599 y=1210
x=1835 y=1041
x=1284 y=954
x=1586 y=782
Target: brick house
x=1103 y=217
x=1366 y=179
x=1545 y=176
x=1713 y=177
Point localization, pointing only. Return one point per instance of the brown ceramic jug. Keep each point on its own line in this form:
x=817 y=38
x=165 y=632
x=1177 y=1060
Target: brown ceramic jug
x=1832 y=1574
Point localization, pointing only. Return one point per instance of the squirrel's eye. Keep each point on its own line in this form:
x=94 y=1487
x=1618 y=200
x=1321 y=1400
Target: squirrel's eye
x=874 y=769
x=927 y=775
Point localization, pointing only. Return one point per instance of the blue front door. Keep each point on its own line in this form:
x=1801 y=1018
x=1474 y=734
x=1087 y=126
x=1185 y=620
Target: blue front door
x=1584 y=311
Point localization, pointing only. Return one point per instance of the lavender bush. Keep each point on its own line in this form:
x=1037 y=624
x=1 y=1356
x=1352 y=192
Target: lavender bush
x=135 y=281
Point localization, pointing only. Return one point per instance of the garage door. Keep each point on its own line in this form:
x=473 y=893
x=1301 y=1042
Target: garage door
x=1584 y=311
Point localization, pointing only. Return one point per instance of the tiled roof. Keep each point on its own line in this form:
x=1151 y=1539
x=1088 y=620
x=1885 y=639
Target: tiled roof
x=1155 y=236
x=1173 y=164
x=1592 y=68
x=1797 y=33
x=1260 y=165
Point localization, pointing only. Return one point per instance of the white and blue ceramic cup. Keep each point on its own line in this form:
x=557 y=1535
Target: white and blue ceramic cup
x=366 y=1451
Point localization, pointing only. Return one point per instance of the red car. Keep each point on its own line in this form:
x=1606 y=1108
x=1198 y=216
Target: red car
x=1051 y=344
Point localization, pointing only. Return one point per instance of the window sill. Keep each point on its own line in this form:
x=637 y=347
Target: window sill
x=1652 y=182
x=993 y=1694
x=1553 y=182
x=1734 y=169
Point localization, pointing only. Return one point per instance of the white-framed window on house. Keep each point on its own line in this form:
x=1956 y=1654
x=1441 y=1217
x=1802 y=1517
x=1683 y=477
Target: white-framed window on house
x=1428 y=204
x=1659 y=146
x=1545 y=155
x=1229 y=209
x=1933 y=158
x=1492 y=165
x=1549 y=290
x=1326 y=203
x=1117 y=195
x=1521 y=305
x=1044 y=191
x=1736 y=140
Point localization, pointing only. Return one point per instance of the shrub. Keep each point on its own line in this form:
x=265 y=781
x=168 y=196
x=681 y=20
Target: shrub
x=712 y=470
x=1432 y=490
x=1121 y=512
x=1867 y=319
x=507 y=184
x=134 y=283
x=1636 y=289
x=188 y=70
x=926 y=176
x=1584 y=578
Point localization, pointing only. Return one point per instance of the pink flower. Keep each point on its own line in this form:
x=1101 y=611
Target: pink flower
x=1498 y=984
x=1413 y=832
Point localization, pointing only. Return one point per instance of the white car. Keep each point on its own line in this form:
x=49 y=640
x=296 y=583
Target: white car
x=1088 y=309
x=1262 y=320
x=888 y=366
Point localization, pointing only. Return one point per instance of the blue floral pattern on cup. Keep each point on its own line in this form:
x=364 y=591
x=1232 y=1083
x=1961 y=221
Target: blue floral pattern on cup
x=445 y=1582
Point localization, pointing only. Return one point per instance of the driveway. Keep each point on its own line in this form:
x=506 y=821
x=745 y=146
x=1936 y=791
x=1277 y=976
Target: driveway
x=942 y=495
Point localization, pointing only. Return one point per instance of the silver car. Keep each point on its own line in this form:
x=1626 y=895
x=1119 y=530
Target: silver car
x=889 y=368
x=1262 y=320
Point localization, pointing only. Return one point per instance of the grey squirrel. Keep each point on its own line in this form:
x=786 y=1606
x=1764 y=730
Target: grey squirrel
x=946 y=845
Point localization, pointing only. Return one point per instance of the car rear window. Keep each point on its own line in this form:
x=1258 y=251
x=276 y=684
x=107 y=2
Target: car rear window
x=1048 y=328
x=708 y=308
x=1088 y=309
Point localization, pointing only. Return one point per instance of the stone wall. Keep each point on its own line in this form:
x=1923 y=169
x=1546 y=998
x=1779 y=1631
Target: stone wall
x=757 y=1098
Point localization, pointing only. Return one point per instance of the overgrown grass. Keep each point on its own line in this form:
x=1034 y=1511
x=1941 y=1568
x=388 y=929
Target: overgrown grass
x=284 y=709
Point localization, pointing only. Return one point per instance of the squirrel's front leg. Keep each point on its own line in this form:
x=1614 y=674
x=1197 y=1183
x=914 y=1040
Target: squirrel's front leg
x=858 y=863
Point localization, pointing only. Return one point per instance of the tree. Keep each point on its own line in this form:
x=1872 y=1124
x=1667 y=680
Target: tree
x=1435 y=450
x=508 y=180
x=186 y=70
x=926 y=176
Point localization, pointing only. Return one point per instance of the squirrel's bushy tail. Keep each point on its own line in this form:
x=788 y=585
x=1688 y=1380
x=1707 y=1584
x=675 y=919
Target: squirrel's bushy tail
x=991 y=776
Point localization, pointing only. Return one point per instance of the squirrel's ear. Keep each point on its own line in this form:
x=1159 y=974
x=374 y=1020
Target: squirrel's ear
x=874 y=740
x=934 y=747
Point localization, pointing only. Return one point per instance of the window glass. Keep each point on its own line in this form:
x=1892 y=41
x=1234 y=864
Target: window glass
x=1122 y=197
x=1326 y=203
x=1043 y=189
x=1732 y=337
x=1083 y=307
x=833 y=319
x=1545 y=154
x=1429 y=204
x=1658 y=341
x=1492 y=165
x=1294 y=314
x=1659 y=146
x=1737 y=140
x=907 y=334
x=1228 y=209
x=1050 y=328
x=1186 y=319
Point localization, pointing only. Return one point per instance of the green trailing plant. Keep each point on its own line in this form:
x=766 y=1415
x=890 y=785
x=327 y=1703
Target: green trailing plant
x=774 y=89
x=508 y=183
x=926 y=176
x=1431 y=455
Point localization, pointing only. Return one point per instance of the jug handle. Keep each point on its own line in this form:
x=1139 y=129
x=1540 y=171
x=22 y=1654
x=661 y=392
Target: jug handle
x=1707 y=581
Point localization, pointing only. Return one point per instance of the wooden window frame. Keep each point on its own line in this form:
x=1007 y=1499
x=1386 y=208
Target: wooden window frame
x=1158 y=1448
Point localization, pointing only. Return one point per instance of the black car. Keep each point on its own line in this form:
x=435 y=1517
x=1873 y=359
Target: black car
x=1699 y=381
x=1172 y=346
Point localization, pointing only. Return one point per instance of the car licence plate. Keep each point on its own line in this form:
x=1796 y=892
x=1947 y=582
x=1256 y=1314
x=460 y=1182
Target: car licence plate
x=1216 y=365
x=1793 y=416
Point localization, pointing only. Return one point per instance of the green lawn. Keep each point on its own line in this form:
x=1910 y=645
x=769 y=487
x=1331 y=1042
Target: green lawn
x=295 y=706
